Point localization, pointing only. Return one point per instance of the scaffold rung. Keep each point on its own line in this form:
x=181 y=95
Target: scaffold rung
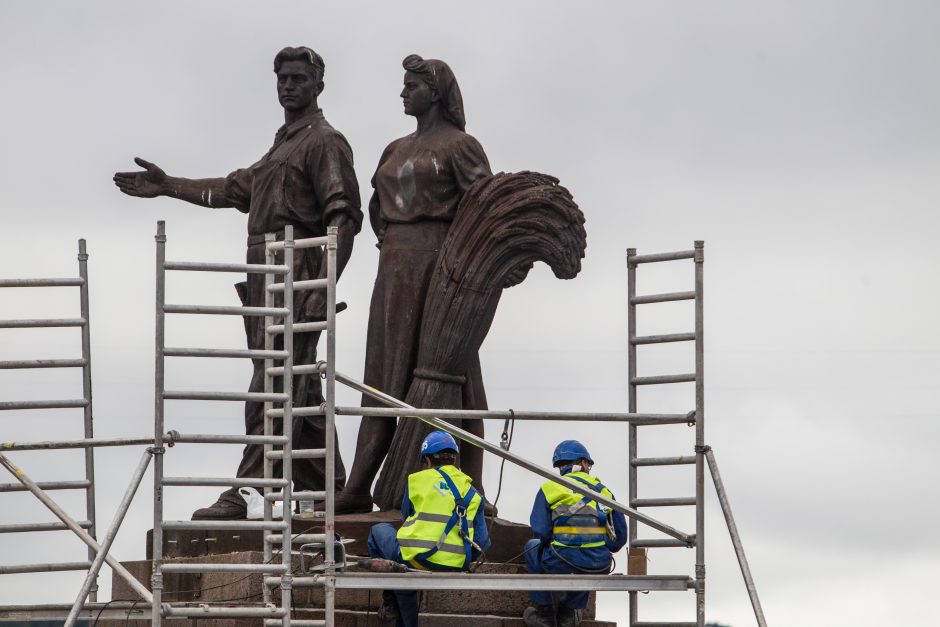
x=310 y=453
x=27 y=364
x=68 y=282
x=303 y=538
x=239 y=482
x=43 y=323
x=223 y=568
x=225 y=311
x=52 y=526
x=298 y=412
x=44 y=568
x=305 y=495
x=308 y=242
x=226 y=525
x=298 y=327
x=223 y=352
x=278 y=371
x=658 y=543
x=662 y=339
x=223 y=612
x=64 y=404
x=657 y=257
x=47 y=485
x=662 y=298
x=311 y=284
x=665 y=378
x=295 y=622
x=664 y=461
x=260 y=397
x=680 y=501
x=248 y=268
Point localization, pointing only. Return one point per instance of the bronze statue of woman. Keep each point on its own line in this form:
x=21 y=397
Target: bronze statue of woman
x=418 y=184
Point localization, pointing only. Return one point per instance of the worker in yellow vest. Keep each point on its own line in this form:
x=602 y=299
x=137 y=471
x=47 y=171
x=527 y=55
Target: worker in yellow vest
x=443 y=526
x=573 y=535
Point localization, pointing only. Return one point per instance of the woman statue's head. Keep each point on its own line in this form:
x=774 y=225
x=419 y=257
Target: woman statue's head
x=441 y=89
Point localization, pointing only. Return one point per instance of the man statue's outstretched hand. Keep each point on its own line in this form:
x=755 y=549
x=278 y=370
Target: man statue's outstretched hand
x=147 y=184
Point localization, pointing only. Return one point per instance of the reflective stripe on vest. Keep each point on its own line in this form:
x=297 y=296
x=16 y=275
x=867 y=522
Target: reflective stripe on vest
x=435 y=505
x=576 y=520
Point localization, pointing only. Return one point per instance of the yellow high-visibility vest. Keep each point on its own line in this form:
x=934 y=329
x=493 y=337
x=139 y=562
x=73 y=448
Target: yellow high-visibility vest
x=435 y=506
x=576 y=521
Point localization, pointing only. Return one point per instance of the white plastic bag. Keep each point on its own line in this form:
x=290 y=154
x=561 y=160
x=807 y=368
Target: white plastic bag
x=255 y=502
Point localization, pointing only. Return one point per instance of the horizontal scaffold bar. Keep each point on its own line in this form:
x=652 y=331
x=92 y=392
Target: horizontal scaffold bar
x=261 y=397
x=42 y=323
x=248 y=268
x=664 y=378
x=662 y=339
x=307 y=495
x=223 y=352
x=204 y=611
x=307 y=242
x=659 y=543
x=297 y=412
x=304 y=453
x=225 y=311
x=76 y=282
x=65 y=444
x=278 y=371
x=188 y=438
x=678 y=501
x=657 y=257
x=309 y=284
x=47 y=485
x=474 y=581
x=391 y=412
x=222 y=568
x=44 y=568
x=63 y=404
x=112 y=610
x=42 y=363
x=664 y=461
x=662 y=298
x=239 y=482
x=225 y=525
x=51 y=526
x=295 y=622
x=300 y=538
x=298 y=327
x=659 y=624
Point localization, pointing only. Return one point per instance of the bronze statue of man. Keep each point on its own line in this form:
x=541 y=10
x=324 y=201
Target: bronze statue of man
x=306 y=179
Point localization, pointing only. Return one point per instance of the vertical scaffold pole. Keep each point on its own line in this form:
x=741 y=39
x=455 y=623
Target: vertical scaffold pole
x=631 y=400
x=270 y=260
x=288 y=424
x=700 y=447
x=157 y=577
x=89 y=417
x=330 y=430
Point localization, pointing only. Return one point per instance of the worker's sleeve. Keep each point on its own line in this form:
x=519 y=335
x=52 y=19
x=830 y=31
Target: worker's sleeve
x=407 y=509
x=620 y=528
x=541 y=519
x=481 y=534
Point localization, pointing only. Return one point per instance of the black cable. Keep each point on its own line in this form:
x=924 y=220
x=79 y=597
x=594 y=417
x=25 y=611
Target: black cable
x=104 y=607
x=127 y=620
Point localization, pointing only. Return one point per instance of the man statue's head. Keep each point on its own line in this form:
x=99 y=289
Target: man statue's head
x=299 y=78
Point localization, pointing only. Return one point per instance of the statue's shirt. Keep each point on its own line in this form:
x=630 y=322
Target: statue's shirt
x=305 y=178
x=423 y=177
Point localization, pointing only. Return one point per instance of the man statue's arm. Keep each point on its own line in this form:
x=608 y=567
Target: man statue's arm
x=346 y=231
x=153 y=182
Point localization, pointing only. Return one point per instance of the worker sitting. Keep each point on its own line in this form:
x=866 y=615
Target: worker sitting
x=443 y=528
x=573 y=535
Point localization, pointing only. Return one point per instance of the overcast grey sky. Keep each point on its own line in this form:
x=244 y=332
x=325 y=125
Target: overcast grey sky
x=799 y=139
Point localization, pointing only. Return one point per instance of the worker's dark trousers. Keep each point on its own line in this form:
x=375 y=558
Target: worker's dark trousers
x=541 y=559
x=383 y=542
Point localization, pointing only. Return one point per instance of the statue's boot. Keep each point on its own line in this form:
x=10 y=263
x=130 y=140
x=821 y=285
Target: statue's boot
x=348 y=503
x=568 y=617
x=539 y=616
x=222 y=509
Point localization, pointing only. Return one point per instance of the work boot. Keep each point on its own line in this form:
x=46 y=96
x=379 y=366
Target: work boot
x=222 y=510
x=539 y=616
x=389 y=611
x=347 y=503
x=568 y=617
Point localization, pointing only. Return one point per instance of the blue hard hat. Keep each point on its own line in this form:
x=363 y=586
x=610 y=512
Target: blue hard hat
x=570 y=451
x=438 y=441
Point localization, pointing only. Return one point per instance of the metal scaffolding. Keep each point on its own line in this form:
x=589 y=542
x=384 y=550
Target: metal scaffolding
x=278 y=534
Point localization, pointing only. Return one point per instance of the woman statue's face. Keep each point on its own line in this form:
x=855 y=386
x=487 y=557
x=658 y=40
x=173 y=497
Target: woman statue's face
x=417 y=96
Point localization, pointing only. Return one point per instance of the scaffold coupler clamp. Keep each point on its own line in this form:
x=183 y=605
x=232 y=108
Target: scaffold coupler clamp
x=690 y=541
x=287 y=581
x=171 y=437
x=704 y=448
x=690 y=418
